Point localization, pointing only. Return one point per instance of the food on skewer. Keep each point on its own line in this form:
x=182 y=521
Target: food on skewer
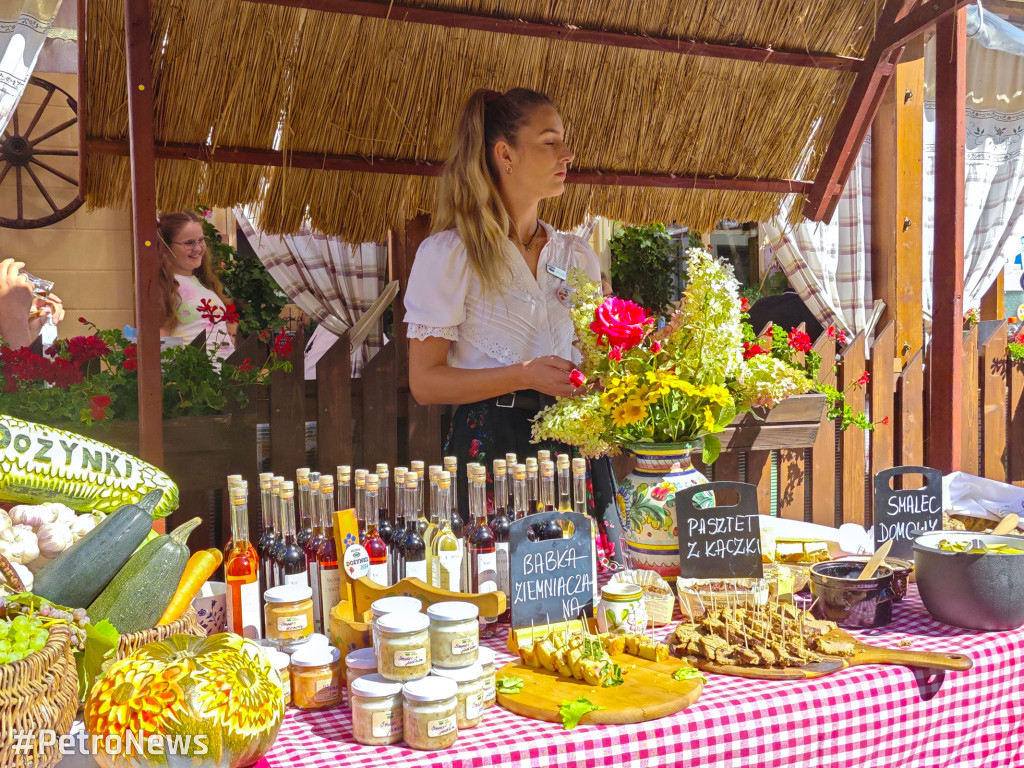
x=573 y=655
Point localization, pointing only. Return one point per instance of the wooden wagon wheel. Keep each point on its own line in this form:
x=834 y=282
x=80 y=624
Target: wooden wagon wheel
x=25 y=163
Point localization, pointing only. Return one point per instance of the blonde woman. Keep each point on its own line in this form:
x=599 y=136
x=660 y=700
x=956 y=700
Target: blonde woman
x=487 y=304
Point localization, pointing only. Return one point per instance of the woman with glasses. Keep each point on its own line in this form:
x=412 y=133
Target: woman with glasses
x=191 y=296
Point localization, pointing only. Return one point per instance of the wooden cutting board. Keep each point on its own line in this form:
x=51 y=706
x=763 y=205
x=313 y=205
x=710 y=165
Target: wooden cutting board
x=863 y=654
x=648 y=691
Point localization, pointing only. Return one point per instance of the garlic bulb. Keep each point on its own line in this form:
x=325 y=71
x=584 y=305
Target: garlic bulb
x=5 y=520
x=65 y=514
x=53 y=538
x=18 y=544
x=26 y=576
x=33 y=515
x=82 y=524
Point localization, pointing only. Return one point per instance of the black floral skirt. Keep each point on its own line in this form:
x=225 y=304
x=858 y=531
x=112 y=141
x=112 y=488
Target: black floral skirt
x=482 y=432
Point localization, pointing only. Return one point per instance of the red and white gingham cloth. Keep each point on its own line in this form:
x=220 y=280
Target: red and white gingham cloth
x=884 y=716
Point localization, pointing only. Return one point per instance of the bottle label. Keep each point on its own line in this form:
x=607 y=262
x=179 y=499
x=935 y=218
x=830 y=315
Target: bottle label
x=441 y=727
x=417 y=569
x=243 y=611
x=297 y=578
x=501 y=553
x=379 y=574
x=314 y=582
x=411 y=657
x=292 y=623
x=465 y=645
x=486 y=572
x=450 y=564
x=383 y=725
x=330 y=582
x=474 y=706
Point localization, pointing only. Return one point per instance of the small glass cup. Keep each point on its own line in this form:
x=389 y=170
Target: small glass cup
x=40 y=287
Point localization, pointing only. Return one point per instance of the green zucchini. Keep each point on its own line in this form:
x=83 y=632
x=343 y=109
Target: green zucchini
x=139 y=594
x=77 y=575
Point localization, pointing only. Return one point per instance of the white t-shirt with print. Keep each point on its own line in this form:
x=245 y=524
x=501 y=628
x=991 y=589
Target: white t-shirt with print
x=190 y=321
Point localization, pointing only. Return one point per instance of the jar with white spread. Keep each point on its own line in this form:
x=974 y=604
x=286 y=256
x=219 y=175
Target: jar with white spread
x=397 y=604
x=377 y=711
x=280 y=661
x=403 y=646
x=485 y=658
x=454 y=634
x=358 y=663
x=470 y=693
x=430 y=721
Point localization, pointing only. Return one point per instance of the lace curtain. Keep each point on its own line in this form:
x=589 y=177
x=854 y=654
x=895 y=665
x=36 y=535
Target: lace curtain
x=23 y=28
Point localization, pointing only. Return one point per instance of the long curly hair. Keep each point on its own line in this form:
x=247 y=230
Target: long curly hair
x=168 y=227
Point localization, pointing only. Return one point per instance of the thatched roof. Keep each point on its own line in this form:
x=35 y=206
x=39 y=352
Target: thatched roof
x=260 y=76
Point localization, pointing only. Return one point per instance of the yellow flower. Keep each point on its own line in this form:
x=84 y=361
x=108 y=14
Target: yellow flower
x=685 y=387
x=709 y=419
x=717 y=394
x=630 y=412
x=609 y=399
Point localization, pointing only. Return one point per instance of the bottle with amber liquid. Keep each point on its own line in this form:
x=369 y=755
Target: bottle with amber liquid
x=551 y=529
x=414 y=554
x=327 y=553
x=376 y=549
x=433 y=521
x=242 y=572
x=532 y=487
x=234 y=481
x=397 y=539
x=311 y=547
x=502 y=529
x=483 y=563
x=304 y=529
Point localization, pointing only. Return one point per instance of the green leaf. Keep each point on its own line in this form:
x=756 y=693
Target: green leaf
x=712 y=449
x=689 y=673
x=100 y=645
x=509 y=684
x=573 y=711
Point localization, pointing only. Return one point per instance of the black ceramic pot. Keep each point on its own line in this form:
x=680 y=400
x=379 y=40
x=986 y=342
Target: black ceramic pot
x=901 y=570
x=842 y=598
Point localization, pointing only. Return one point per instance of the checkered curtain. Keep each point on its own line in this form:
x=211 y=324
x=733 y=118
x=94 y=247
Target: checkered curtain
x=332 y=282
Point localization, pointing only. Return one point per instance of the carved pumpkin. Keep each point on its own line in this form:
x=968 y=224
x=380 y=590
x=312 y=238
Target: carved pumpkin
x=221 y=688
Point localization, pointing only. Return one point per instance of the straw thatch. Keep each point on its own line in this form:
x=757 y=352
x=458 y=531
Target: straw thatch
x=243 y=74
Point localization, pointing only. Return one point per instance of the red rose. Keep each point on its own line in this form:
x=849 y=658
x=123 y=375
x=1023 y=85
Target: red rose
x=655 y=347
x=800 y=341
x=620 y=323
x=576 y=378
x=615 y=353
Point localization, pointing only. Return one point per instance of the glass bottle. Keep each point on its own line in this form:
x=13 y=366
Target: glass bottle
x=532 y=487
x=344 y=487
x=564 y=503
x=275 y=511
x=234 y=481
x=360 y=502
x=433 y=521
x=398 y=533
x=266 y=542
x=414 y=555
x=304 y=529
x=500 y=490
x=551 y=529
x=310 y=550
x=416 y=467
x=327 y=553
x=483 y=565
x=384 y=525
x=579 y=505
x=242 y=571
x=451 y=465
x=293 y=558
x=510 y=467
x=447 y=559
x=376 y=549
x=501 y=528
x=519 y=501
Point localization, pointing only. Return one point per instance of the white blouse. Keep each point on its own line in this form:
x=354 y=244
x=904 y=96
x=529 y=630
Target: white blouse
x=445 y=299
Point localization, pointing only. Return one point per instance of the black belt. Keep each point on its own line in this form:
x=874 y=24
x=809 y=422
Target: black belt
x=527 y=399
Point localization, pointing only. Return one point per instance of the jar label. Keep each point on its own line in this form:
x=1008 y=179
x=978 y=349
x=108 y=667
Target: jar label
x=489 y=687
x=384 y=724
x=465 y=645
x=441 y=727
x=292 y=623
x=325 y=692
x=474 y=706
x=411 y=658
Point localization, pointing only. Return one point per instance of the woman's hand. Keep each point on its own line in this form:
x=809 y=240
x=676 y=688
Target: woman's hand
x=550 y=375
x=15 y=304
x=50 y=308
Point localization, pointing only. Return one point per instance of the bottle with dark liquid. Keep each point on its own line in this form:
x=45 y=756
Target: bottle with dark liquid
x=360 y=503
x=483 y=563
x=275 y=511
x=376 y=549
x=310 y=550
x=384 y=525
x=304 y=529
x=327 y=553
x=501 y=528
x=532 y=487
x=447 y=560
x=414 y=554
x=242 y=572
x=266 y=540
x=551 y=529
x=293 y=558
x=397 y=540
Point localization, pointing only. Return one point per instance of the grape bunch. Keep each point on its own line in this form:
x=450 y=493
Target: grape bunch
x=47 y=614
x=76 y=618
x=21 y=636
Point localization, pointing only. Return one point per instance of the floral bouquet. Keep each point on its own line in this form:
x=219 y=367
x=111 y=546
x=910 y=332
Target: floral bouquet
x=684 y=381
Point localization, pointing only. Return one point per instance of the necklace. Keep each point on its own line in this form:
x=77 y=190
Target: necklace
x=527 y=245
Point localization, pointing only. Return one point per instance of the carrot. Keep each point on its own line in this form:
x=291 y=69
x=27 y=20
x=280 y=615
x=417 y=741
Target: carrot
x=200 y=567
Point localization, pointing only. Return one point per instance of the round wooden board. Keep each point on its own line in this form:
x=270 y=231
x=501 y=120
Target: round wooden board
x=648 y=691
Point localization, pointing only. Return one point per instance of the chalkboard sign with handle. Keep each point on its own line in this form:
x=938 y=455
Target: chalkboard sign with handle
x=719 y=542
x=902 y=514
x=550 y=580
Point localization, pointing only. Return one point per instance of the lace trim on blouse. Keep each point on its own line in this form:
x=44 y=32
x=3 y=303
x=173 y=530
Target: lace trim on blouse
x=421 y=332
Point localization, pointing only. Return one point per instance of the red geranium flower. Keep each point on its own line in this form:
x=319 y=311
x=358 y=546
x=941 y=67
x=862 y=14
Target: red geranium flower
x=209 y=311
x=82 y=349
x=800 y=341
x=753 y=349
x=64 y=373
x=884 y=421
x=577 y=378
x=245 y=366
x=83 y=321
x=620 y=323
x=283 y=344
x=131 y=354
x=100 y=401
x=744 y=305
x=864 y=379
x=230 y=314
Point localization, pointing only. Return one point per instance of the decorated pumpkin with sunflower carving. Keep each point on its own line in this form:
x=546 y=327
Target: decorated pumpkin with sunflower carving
x=214 y=701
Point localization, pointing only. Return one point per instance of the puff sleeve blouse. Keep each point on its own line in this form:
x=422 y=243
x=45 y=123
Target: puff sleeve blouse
x=445 y=299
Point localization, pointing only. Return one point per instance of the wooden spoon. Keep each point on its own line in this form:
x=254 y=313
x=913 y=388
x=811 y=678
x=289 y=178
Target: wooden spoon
x=876 y=560
x=1007 y=524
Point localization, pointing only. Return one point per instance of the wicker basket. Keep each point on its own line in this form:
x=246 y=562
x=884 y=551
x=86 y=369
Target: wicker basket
x=188 y=624
x=39 y=692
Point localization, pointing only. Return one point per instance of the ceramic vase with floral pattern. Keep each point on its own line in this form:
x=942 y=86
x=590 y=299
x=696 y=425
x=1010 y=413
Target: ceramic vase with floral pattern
x=646 y=497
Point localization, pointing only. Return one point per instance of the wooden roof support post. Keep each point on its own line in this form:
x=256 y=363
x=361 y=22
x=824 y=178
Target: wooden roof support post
x=896 y=203
x=144 y=231
x=942 y=441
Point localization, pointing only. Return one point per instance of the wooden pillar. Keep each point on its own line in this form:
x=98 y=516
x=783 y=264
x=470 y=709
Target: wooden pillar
x=144 y=232
x=896 y=202
x=943 y=442
x=992 y=304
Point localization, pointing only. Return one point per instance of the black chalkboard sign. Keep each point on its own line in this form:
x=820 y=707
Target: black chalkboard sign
x=719 y=542
x=901 y=515
x=554 y=579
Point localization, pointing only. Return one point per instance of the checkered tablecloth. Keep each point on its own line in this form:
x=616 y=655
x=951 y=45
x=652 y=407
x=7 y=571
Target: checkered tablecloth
x=870 y=716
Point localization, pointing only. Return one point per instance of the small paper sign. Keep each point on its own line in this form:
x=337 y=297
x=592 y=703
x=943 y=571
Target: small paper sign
x=901 y=515
x=719 y=542
x=356 y=562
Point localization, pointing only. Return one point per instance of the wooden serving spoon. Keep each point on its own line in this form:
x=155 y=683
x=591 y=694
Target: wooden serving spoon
x=1007 y=524
x=876 y=560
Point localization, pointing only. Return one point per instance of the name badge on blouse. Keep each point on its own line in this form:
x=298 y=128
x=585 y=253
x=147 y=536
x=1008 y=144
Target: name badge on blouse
x=561 y=274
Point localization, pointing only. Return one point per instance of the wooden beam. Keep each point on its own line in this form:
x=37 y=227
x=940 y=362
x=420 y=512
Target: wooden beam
x=993 y=306
x=486 y=23
x=144 y=231
x=83 y=82
x=993 y=376
x=943 y=441
x=359 y=164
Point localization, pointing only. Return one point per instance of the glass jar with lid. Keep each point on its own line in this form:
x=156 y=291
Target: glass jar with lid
x=359 y=663
x=316 y=677
x=454 y=634
x=403 y=646
x=396 y=604
x=377 y=711
x=470 y=693
x=429 y=718
x=280 y=661
x=289 y=615
x=485 y=658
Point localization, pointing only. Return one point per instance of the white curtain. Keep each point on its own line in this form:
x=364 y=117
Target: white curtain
x=332 y=282
x=23 y=28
